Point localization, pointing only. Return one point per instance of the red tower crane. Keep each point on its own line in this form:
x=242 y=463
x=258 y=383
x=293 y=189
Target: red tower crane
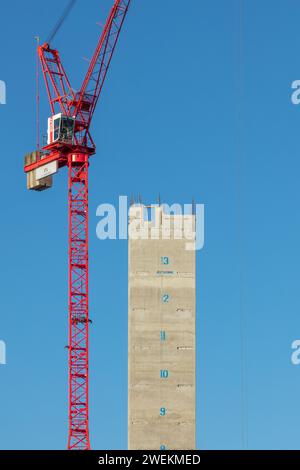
x=70 y=144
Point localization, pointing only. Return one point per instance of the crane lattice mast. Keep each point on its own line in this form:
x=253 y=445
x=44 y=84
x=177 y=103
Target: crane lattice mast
x=70 y=144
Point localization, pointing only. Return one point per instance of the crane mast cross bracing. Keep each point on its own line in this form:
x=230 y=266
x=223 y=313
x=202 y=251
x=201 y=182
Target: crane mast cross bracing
x=70 y=144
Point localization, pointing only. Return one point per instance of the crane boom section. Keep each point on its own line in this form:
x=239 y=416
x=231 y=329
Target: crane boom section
x=58 y=86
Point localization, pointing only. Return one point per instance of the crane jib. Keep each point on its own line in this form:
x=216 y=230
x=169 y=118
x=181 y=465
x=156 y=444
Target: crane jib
x=82 y=104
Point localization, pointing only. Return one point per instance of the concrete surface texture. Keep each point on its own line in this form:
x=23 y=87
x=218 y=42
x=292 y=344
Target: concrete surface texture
x=161 y=356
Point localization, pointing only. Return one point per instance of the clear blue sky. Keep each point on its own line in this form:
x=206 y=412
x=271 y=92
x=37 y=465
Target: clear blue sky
x=185 y=113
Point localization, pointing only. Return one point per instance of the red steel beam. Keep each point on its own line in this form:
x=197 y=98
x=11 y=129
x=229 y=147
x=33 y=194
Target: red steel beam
x=78 y=303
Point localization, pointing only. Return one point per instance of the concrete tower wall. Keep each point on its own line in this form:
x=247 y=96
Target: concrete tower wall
x=161 y=334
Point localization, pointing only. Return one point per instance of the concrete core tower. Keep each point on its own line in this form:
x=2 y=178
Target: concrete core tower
x=161 y=356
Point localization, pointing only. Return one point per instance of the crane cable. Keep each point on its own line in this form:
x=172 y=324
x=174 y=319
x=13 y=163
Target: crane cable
x=62 y=19
x=243 y=318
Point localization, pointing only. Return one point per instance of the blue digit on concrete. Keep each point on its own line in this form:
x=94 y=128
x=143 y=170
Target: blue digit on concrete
x=164 y=374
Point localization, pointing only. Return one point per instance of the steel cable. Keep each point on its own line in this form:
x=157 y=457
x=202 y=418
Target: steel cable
x=61 y=21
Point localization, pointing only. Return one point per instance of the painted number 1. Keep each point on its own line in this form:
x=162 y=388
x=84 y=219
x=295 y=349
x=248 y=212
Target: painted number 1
x=163 y=336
